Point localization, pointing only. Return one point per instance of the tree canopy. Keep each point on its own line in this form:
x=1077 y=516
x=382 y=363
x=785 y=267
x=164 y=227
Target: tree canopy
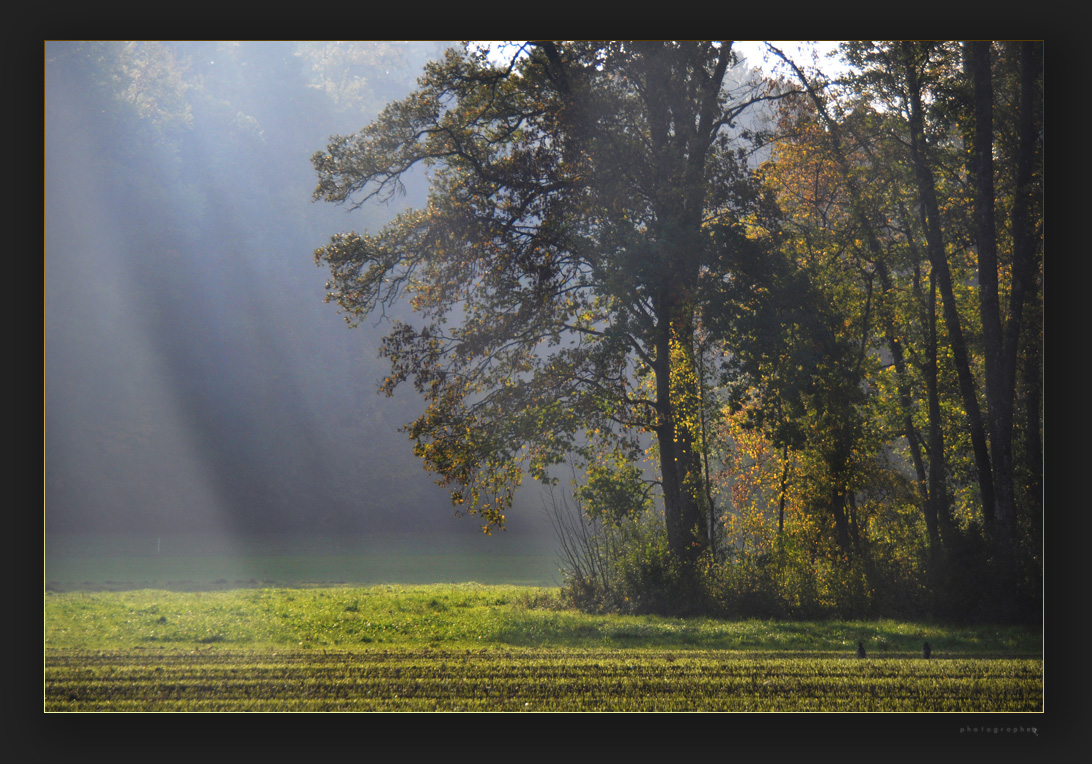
x=582 y=196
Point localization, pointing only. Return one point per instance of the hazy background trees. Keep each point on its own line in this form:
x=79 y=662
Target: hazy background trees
x=193 y=378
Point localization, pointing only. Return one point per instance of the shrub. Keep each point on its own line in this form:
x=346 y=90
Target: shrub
x=619 y=562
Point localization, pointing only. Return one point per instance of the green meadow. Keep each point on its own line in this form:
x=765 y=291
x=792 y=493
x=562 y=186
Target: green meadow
x=472 y=647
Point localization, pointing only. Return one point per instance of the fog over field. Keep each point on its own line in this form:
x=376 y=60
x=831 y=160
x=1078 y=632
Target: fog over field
x=195 y=383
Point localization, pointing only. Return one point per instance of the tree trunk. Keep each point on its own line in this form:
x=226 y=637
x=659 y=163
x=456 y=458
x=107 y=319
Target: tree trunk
x=924 y=479
x=1033 y=418
x=841 y=523
x=784 y=489
x=905 y=401
x=939 y=261
x=999 y=395
x=680 y=461
x=936 y=513
x=1024 y=282
x=854 y=524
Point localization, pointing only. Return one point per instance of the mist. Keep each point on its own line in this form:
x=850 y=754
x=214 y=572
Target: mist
x=194 y=381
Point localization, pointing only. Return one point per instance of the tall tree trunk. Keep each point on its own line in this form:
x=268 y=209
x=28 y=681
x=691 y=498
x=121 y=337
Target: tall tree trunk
x=913 y=441
x=912 y=437
x=937 y=514
x=939 y=261
x=1033 y=415
x=710 y=507
x=999 y=395
x=1024 y=270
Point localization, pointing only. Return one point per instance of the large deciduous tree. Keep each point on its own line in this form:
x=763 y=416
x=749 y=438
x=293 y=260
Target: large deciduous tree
x=562 y=265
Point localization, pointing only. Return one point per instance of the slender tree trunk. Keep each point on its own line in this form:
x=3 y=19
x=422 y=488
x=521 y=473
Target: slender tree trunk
x=838 y=459
x=913 y=441
x=999 y=395
x=784 y=489
x=1033 y=416
x=1025 y=270
x=937 y=507
x=710 y=506
x=854 y=525
x=939 y=261
x=841 y=523
x=912 y=437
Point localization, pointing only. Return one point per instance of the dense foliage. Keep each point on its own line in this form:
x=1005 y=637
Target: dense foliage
x=887 y=439
x=804 y=380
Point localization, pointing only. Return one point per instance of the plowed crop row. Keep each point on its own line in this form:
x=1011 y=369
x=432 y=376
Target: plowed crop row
x=530 y=680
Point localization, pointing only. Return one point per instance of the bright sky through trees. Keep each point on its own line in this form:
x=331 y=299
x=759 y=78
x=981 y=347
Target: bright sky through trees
x=803 y=52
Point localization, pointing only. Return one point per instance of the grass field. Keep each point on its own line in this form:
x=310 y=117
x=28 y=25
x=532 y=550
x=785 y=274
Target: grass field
x=502 y=648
